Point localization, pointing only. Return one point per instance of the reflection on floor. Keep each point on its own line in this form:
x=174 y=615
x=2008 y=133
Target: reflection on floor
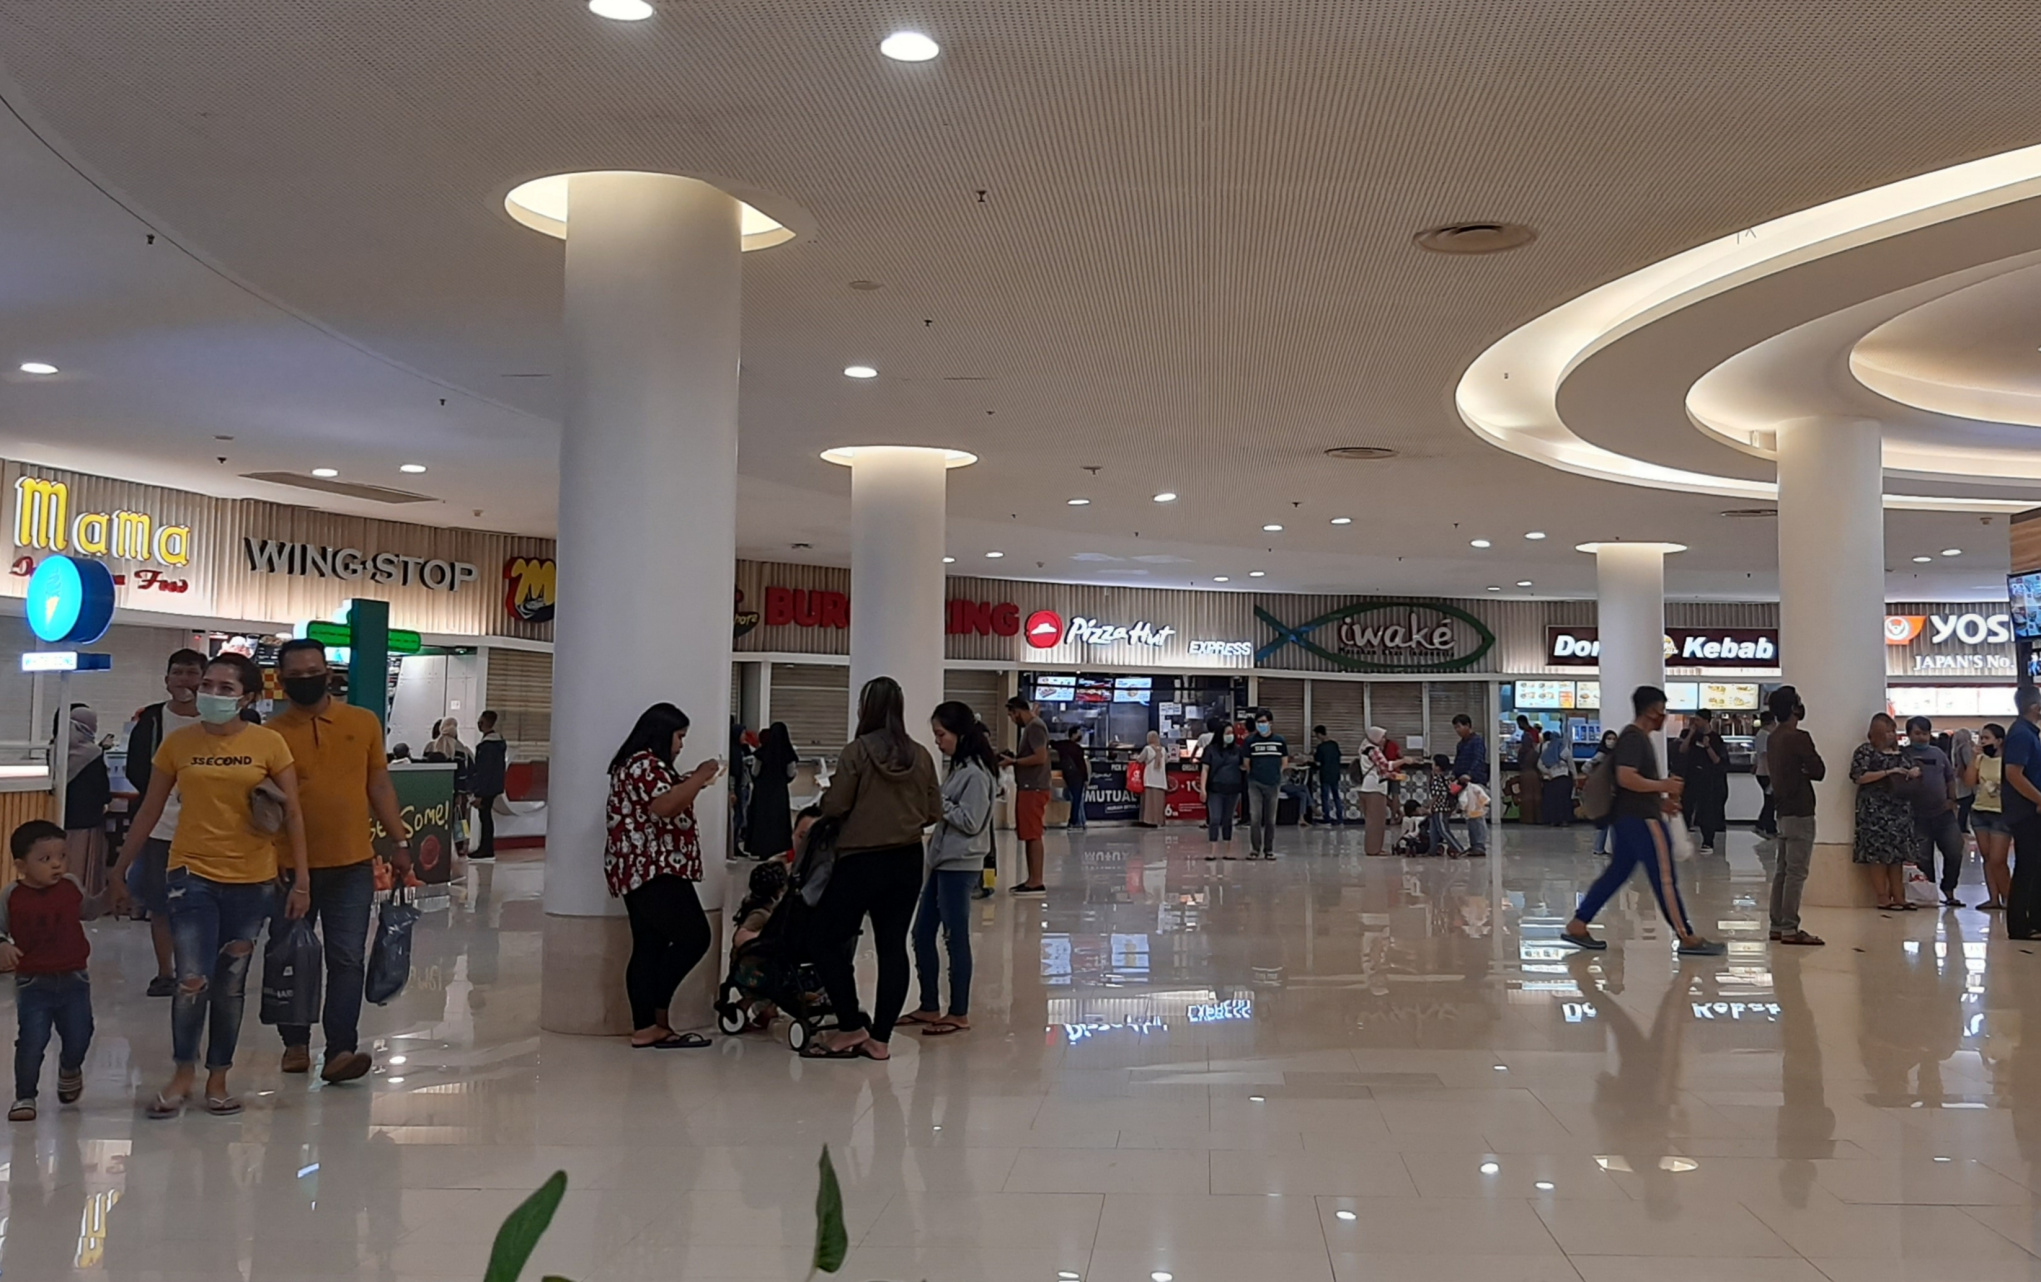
x=1326 y=1067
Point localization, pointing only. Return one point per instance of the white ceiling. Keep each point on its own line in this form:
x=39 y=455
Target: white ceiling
x=1191 y=267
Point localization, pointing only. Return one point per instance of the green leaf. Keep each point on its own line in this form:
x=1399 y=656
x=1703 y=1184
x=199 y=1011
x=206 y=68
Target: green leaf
x=831 y=1242
x=522 y=1229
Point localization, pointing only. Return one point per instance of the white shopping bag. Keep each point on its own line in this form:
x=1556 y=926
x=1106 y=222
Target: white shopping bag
x=1919 y=889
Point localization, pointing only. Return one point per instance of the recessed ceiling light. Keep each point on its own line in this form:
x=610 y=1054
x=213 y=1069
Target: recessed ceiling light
x=1167 y=496
x=1922 y=560
x=620 y=10
x=1257 y=574
x=413 y=468
x=1363 y=453
x=1535 y=535
x=37 y=367
x=1345 y=1215
x=1077 y=502
x=1543 y=1186
x=1952 y=551
x=994 y=556
x=326 y=471
x=949 y=560
x=1494 y=587
x=1490 y=1168
x=1523 y=583
x=909 y=46
x=1221 y=578
x=1272 y=529
x=1161 y=1276
x=859 y=371
x=1475 y=238
x=1342 y=520
x=1068 y=1275
x=1479 y=543
x=1941 y=1159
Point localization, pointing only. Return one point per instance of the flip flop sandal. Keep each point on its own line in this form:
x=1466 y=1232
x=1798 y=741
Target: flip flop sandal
x=918 y=1017
x=677 y=1042
x=1801 y=937
x=222 y=1105
x=944 y=1028
x=161 y=1109
x=816 y=1050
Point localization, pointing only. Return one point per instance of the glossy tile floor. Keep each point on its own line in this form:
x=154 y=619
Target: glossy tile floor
x=1323 y=1068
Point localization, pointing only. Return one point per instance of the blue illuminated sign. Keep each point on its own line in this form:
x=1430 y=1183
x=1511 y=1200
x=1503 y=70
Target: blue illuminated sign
x=70 y=602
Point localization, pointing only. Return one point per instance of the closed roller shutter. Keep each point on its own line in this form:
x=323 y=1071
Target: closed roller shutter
x=1398 y=707
x=814 y=700
x=1341 y=707
x=983 y=689
x=1450 y=699
x=1284 y=697
x=520 y=689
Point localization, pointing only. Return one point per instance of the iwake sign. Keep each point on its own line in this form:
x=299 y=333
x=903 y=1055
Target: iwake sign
x=1387 y=636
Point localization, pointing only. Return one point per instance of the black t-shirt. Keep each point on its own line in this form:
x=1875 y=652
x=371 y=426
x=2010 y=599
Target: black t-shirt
x=1635 y=750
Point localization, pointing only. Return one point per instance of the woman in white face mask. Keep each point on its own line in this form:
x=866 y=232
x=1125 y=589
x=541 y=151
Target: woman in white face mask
x=223 y=874
x=1222 y=777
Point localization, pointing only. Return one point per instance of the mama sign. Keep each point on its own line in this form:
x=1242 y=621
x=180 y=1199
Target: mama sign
x=1386 y=636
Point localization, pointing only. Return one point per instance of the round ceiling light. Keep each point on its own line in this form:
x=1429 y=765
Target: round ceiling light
x=37 y=367
x=1535 y=535
x=1475 y=238
x=994 y=556
x=1342 y=520
x=846 y=455
x=1493 y=587
x=1257 y=574
x=413 y=468
x=1952 y=551
x=909 y=46
x=1922 y=560
x=620 y=10
x=326 y=472
x=1480 y=543
x=1523 y=583
x=1221 y=578
x=1167 y=496
x=1363 y=453
x=1077 y=502
x=949 y=560
x=541 y=205
x=859 y=371
x=1272 y=529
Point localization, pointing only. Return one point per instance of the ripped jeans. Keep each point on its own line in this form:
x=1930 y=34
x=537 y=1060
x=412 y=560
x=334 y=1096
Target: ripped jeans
x=214 y=926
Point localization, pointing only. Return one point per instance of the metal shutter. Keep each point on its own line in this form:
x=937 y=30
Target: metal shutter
x=814 y=700
x=1450 y=699
x=1284 y=697
x=984 y=689
x=1398 y=707
x=520 y=689
x=1341 y=707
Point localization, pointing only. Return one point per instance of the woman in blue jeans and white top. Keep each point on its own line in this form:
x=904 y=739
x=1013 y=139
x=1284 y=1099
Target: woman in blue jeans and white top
x=956 y=857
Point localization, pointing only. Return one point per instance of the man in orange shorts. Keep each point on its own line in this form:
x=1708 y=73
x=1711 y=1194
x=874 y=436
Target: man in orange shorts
x=1031 y=788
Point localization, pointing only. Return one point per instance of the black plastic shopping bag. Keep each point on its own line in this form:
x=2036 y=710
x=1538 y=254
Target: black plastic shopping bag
x=290 y=973
x=390 y=955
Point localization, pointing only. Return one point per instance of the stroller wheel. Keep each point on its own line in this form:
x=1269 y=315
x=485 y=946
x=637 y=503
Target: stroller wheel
x=797 y=1035
x=731 y=1020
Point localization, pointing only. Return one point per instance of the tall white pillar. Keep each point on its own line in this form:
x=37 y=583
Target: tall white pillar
x=1831 y=618
x=897 y=511
x=1629 y=622
x=647 y=549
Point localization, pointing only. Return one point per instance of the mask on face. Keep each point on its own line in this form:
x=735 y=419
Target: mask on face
x=1229 y=736
x=1262 y=726
x=1989 y=749
x=305 y=691
x=218 y=709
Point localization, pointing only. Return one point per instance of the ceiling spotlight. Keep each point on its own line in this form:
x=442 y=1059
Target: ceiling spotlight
x=37 y=367
x=1077 y=502
x=859 y=371
x=949 y=560
x=327 y=472
x=1480 y=543
x=1490 y=1168
x=1494 y=587
x=1952 y=551
x=1342 y=520
x=413 y=468
x=1345 y=1215
x=994 y=556
x=1523 y=583
x=909 y=46
x=1221 y=578
x=620 y=10
x=1161 y=1276
x=1922 y=560
x=1272 y=529
x=1167 y=496
x=1257 y=574
x=1543 y=1186
x=1535 y=535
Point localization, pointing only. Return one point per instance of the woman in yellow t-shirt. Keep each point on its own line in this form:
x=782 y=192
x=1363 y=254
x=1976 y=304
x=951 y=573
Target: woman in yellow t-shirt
x=222 y=879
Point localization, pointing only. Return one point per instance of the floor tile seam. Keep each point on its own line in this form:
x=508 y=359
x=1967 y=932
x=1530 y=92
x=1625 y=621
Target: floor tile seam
x=1967 y=1212
x=887 y=1206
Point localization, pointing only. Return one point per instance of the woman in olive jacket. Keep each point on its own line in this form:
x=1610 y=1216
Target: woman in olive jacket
x=885 y=793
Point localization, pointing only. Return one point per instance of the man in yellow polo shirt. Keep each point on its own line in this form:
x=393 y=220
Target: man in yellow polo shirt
x=342 y=775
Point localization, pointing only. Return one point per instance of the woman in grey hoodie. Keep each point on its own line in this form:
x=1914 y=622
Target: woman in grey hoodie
x=956 y=858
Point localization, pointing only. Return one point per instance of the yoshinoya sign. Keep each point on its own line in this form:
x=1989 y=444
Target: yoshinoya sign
x=1973 y=642
x=1581 y=647
x=1385 y=636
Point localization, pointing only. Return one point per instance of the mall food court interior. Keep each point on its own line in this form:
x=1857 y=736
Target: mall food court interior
x=1436 y=375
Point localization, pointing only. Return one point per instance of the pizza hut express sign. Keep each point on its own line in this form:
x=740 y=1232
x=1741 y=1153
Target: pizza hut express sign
x=1684 y=647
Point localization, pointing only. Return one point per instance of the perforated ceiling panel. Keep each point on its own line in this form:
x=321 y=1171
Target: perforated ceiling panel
x=1191 y=265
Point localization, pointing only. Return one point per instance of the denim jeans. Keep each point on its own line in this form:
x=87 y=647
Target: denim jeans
x=61 y=1000
x=1477 y=834
x=341 y=898
x=213 y=929
x=945 y=904
x=1939 y=832
x=1262 y=799
x=1441 y=833
x=1331 y=801
x=1219 y=811
x=1075 y=791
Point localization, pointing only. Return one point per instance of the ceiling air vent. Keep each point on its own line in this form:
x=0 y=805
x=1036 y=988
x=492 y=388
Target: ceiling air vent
x=1475 y=238
x=1749 y=513
x=1362 y=452
x=352 y=489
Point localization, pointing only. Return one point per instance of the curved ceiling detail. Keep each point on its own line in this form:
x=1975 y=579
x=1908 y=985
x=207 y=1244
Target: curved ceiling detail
x=1970 y=353
x=1511 y=394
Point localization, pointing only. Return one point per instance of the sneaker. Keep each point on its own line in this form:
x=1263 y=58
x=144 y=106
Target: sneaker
x=163 y=986
x=346 y=1066
x=23 y=1111
x=296 y=1059
x=1704 y=948
x=1029 y=892
x=70 y=1086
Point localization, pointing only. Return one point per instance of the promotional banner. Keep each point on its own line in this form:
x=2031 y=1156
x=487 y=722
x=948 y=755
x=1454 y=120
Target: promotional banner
x=425 y=797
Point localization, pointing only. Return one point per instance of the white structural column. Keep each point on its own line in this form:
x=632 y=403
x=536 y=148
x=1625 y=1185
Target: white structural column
x=897 y=509
x=647 y=549
x=1831 y=618
x=1630 y=622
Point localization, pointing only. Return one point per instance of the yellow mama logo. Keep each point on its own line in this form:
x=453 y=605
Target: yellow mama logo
x=42 y=519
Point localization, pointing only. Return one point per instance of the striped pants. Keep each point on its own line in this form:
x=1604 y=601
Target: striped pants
x=1646 y=843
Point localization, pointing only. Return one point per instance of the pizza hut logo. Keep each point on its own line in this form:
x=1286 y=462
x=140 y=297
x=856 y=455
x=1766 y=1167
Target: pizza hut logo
x=1044 y=629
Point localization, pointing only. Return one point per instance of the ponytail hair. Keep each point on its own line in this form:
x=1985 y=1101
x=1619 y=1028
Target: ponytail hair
x=974 y=741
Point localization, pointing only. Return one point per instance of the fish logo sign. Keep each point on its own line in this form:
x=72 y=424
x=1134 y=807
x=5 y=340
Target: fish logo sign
x=1411 y=636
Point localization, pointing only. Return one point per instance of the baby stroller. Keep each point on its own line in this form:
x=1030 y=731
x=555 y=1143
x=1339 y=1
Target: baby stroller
x=776 y=967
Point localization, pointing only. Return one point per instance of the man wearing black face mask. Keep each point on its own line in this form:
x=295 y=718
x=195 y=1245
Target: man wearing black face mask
x=342 y=775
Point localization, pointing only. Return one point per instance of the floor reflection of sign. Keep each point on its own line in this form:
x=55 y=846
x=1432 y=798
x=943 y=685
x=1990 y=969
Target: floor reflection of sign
x=425 y=797
x=1222 y=1012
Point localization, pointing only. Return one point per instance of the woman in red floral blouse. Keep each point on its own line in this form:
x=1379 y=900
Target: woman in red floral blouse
x=653 y=860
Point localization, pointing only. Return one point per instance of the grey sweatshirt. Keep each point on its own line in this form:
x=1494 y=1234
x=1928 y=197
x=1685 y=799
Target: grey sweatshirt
x=964 y=837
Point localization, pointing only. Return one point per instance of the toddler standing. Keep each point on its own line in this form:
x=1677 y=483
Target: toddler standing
x=42 y=940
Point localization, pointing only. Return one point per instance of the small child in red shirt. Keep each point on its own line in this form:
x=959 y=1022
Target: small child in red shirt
x=42 y=940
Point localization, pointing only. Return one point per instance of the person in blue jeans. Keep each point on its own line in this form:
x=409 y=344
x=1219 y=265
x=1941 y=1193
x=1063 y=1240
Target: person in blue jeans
x=956 y=855
x=42 y=940
x=1325 y=755
x=1644 y=797
x=1076 y=768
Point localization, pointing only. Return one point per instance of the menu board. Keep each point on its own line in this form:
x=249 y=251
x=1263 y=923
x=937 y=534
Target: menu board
x=1544 y=694
x=1682 y=696
x=1132 y=689
x=1950 y=701
x=1587 y=694
x=1911 y=701
x=1729 y=696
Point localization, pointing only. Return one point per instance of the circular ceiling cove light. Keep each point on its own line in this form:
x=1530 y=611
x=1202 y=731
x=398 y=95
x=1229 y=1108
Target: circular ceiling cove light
x=541 y=205
x=326 y=473
x=909 y=46
x=845 y=455
x=1167 y=496
x=1480 y=543
x=1535 y=535
x=1922 y=560
x=37 y=367
x=859 y=371
x=620 y=10
x=413 y=468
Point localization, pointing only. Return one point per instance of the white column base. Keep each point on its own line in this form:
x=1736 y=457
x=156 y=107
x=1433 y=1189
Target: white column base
x=1833 y=881
x=581 y=986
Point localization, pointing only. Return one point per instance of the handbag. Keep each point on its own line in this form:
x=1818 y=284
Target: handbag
x=266 y=807
x=389 y=967
x=290 y=973
x=1134 y=780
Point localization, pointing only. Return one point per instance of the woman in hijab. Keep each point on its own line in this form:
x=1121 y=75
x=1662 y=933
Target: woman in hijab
x=1555 y=771
x=1154 y=781
x=87 y=794
x=769 y=824
x=1376 y=775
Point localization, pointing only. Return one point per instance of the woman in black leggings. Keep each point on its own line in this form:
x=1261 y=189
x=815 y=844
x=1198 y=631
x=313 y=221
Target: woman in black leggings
x=653 y=859
x=884 y=792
